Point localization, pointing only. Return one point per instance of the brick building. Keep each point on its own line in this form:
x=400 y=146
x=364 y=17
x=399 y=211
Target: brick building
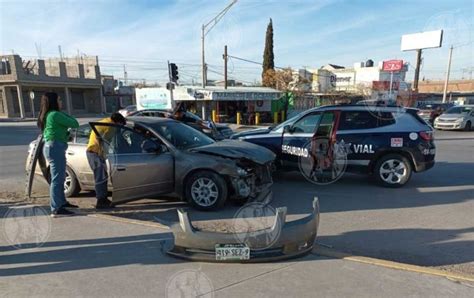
x=76 y=80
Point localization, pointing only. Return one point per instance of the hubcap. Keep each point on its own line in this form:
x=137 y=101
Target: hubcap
x=393 y=171
x=67 y=182
x=204 y=192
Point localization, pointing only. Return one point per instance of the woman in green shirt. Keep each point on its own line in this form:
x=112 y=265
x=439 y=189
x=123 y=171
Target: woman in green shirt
x=55 y=124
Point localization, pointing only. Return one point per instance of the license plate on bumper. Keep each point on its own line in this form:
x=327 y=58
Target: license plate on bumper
x=232 y=252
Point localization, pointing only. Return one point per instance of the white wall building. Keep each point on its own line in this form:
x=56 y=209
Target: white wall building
x=362 y=79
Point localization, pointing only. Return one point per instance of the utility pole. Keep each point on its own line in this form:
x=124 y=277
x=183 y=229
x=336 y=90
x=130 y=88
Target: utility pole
x=225 y=66
x=204 y=31
x=446 y=81
x=203 y=58
x=417 y=70
x=60 y=53
x=125 y=75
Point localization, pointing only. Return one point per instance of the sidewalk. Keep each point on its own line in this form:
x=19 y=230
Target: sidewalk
x=90 y=256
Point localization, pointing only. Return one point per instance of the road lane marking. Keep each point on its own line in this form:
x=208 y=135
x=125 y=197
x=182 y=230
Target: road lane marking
x=327 y=252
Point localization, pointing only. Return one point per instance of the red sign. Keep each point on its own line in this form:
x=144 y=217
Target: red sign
x=384 y=85
x=393 y=65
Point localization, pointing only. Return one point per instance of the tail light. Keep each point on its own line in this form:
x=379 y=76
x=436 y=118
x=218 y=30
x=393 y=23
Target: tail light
x=427 y=135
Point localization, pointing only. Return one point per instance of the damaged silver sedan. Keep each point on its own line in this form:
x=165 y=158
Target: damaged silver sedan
x=155 y=156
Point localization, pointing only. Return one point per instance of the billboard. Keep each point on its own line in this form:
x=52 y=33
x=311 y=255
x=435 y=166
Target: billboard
x=423 y=40
x=153 y=98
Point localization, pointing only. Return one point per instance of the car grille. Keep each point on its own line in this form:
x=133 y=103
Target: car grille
x=447 y=120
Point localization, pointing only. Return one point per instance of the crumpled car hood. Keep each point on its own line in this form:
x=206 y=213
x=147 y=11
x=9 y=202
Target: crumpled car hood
x=237 y=150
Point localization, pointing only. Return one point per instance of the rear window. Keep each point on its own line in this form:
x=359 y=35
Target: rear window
x=354 y=120
x=459 y=110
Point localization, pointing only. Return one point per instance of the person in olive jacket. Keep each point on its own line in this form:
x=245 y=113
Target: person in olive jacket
x=55 y=124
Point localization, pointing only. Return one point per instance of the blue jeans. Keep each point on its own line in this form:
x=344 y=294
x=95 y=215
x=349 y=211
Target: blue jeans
x=55 y=154
x=99 y=168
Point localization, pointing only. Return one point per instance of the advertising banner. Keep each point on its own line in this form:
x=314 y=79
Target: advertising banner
x=153 y=98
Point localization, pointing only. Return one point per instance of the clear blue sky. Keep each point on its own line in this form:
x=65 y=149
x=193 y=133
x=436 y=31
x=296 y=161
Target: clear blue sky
x=307 y=33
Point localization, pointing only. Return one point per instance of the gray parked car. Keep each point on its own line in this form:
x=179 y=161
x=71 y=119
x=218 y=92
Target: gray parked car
x=457 y=117
x=154 y=156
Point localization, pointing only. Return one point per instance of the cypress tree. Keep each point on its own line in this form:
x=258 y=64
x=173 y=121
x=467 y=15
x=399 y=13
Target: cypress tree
x=268 y=57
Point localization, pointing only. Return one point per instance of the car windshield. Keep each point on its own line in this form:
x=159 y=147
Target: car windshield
x=182 y=136
x=290 y=121
x=459 y=110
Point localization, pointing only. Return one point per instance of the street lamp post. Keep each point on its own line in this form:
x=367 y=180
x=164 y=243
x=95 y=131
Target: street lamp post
x=204 y=31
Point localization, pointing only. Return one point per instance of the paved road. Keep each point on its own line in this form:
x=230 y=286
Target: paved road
x=429 y=222
x=92 y=257
x=14 y=140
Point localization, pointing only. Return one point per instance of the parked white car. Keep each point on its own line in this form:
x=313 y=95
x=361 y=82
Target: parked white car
x=457 y=117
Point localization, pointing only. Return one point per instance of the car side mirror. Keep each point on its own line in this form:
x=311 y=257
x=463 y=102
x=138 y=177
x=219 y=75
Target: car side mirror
x=287 y=129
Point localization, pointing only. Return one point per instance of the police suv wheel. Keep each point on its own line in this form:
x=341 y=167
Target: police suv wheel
x=392 y=170
x=206 y=190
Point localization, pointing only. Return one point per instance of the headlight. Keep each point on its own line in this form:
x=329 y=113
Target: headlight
x=460 y=120
x=241 y=172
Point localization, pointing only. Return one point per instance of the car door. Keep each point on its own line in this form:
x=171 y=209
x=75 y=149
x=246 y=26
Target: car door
x=364 y=133
x=324 y=162
x=296 y=139
x=136 y=171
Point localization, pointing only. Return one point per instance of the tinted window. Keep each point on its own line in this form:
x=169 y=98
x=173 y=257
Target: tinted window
x=459 y=110
x=326 y=125
x=130 y=142
x=279 y=127
x=385 y=118
x=181 y=135
x=82 y=134
x=123 y=140
x=307 y=124
x=357 y=120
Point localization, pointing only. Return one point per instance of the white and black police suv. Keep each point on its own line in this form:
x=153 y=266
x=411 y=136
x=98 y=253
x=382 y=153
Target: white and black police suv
x=389 y=143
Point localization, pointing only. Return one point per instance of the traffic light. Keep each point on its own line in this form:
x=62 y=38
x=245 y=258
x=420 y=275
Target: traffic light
x=174 y=72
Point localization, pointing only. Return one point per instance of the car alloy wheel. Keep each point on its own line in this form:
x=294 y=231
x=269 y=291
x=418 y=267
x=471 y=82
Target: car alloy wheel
x=393 y=171
x=67 y=182
x=204 y=192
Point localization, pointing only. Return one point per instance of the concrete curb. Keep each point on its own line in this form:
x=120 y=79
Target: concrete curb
x=327 y=252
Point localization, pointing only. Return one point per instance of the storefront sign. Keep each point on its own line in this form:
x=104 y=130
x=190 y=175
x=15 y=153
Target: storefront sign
x=392 y=65
x=217 y=95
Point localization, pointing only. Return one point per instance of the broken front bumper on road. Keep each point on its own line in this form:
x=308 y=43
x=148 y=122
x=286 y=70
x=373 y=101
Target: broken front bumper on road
x=293 y=239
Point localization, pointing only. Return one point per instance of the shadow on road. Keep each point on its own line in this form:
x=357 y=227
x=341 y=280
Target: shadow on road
x=424 y=247
x=72 y=255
